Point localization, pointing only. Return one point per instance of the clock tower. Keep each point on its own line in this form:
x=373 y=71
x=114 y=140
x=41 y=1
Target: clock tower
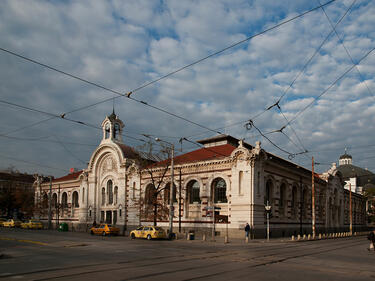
x=112 y=128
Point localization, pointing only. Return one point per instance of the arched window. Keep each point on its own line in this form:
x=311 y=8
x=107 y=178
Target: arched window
x=64 y=200
x=133 y=190
x=167 y=193
x=83 y=194
x=240 y=183
x=110 y=192
x=75 y=199
x=282 y=202
x=116 y=131
x=193 y=192
x=45 y=200
x=103 y=196
x=149 y=194
x=54 y=200
x=116 y=194
x=305 y=203
x=107 y=130
x=268 y=192
x=294 y=201
x=219 y=188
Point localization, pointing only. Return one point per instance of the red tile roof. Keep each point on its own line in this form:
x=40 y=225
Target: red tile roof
x=127 y=151
x=69 y=177
x=202 y=154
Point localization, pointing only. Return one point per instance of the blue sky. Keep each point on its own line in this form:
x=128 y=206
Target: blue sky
x=124 y=44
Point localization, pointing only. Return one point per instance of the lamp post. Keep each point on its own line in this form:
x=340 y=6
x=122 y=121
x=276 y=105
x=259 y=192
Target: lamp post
x=268 y=211
x=50 y=204
x=171 y=210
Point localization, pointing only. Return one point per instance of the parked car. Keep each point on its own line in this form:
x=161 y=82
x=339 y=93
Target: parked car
x=32 y=224
x=2 y=220
x=12 y=223
x=105 y=229
x=148 y=232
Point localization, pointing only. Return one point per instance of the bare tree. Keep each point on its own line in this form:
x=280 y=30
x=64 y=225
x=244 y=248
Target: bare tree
x=154 y=204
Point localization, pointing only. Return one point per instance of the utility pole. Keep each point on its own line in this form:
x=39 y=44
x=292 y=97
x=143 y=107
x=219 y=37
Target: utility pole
x=58 y=208
x=313 y=198
x=268 y=211
x=171 y=208
x=350 y=209
x=179 y=204
x=301 y=206
x=49 y=203
x=171 y=189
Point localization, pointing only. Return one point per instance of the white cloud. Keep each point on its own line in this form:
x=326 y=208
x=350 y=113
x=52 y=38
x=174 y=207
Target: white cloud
x=124 y=44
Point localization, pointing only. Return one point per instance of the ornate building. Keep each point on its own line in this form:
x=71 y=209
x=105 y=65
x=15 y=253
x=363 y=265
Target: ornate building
x=235 y=178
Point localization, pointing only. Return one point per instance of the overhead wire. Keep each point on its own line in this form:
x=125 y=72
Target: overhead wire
x=277 y=103
x=119 y=94
x=31 y=163
x=329 y=87
x=347 y=51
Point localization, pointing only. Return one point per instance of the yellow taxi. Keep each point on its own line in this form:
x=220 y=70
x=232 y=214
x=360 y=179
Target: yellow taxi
x=12 y=223
x=2 y=220
x=32 y=224
x=148 y=232
x=105 y=229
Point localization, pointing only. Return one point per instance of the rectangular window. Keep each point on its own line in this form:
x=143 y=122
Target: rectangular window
x=240 y=183
x=110 y=195
x=102 y=216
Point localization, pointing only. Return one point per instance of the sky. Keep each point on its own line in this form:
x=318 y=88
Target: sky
x=326 y=100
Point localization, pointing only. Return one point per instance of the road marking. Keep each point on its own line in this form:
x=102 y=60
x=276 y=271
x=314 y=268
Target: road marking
x=24 y=241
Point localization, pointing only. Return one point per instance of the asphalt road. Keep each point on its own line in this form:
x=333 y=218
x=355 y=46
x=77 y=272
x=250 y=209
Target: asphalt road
x=50 y=255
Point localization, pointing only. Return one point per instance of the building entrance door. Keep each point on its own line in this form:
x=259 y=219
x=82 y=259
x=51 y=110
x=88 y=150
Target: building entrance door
x=108 y=217
x=114 y=217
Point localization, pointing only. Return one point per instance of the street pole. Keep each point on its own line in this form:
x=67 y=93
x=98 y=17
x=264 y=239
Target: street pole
x=58 y=208
x=49 y=204
x=313 y=198
x=213 y=219
x=300 y=208
x=171 y=189
x=171 y=210
x=350 y=209
x=268 y=209
x=179 y=204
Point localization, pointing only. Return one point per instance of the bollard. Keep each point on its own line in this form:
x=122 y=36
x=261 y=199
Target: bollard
x=247 y=239
x=298 y=237
x=320 y=236
x=204 y=237
x=308 y=237
x=304 y=236
x=187 y=236
x=292 y=237
x=226 y=239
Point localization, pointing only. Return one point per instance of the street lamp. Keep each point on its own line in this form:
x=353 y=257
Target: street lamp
x=268 y=211
x=171 y=209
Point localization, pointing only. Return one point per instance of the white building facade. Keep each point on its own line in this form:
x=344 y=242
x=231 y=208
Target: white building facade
x=235 y=177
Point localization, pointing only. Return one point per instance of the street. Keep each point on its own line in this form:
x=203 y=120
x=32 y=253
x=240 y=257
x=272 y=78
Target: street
x=50 y=255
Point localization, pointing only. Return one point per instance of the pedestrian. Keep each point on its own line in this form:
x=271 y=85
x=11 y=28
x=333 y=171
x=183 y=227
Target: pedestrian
x=371 y=237
x=247 y=230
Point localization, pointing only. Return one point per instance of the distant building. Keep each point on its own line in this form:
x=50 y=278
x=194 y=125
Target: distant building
x=226 y=173
x=358 y=179
x=11 y=184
